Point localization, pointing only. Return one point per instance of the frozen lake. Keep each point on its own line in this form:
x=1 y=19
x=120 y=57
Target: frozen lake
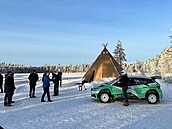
x=74 y=109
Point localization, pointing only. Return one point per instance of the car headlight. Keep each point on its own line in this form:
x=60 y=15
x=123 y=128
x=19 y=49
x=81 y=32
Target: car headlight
x=94 y=89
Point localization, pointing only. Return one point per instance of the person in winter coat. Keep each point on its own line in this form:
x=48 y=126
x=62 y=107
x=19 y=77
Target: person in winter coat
x=123 y=83
x=1 y=83
x=13 y=87
x=8 y=89
x=33 y=78
x=60 y=78
x=46 y=85
x=56 y=79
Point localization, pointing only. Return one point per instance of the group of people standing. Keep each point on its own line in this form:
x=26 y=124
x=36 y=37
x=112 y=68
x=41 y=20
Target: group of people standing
x=9 y=85
x=9 y=88
x=56 y=78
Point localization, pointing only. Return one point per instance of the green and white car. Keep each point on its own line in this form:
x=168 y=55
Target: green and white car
x=138 y=87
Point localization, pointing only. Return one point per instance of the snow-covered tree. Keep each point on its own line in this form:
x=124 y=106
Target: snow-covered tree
x=119 y=54
x=142 y=72
x=157 y=73
x=170 y=36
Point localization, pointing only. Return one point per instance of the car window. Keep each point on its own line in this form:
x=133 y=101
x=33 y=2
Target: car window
x=115 y=83
x=129 y=83
x=138 y=81
x=150 y=81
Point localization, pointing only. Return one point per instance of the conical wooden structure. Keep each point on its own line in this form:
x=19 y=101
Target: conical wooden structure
x=103 y=67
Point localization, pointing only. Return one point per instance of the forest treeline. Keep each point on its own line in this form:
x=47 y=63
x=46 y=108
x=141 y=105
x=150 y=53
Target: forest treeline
x=18 y=68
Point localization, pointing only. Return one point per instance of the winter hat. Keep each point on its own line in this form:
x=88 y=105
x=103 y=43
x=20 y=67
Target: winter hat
x=8 y=72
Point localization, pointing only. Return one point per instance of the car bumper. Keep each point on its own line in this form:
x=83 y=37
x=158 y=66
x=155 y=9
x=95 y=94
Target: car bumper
x=160 y=94
x=94 y=94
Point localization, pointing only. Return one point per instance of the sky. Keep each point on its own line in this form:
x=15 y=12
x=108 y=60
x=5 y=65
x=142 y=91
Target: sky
x=35 y=32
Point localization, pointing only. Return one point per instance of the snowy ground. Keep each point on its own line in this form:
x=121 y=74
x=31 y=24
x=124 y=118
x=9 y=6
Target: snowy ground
x=74 y=109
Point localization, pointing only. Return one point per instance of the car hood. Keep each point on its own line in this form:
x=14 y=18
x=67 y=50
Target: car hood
x=97 y=86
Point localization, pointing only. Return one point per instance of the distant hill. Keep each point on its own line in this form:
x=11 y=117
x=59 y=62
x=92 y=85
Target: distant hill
x=161 y=64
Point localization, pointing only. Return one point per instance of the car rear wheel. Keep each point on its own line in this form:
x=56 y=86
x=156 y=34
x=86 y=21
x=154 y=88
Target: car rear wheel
x=104 y=97
x=152 y=97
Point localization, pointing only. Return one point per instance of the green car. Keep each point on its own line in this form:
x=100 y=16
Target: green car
x=138 y=87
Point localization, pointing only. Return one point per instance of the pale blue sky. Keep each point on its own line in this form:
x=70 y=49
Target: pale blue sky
x=35 y=32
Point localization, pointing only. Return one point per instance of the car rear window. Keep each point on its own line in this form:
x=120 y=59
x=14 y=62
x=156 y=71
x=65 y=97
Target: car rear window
x=150 y=81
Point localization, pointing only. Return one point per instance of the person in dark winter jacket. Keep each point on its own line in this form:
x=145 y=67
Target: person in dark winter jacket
x=13 y=87
x=60 y=78
x=56 y=79
x=1 y=83
x=33 y=78
x=123 y=83
x=53 y=75
x=46 y=85
x=8 y=89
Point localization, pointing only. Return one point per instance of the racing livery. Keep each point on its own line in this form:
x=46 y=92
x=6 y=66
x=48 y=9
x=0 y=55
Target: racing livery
x=138 y=87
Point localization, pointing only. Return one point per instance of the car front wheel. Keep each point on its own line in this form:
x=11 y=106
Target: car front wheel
x=152 y=97
x=104 y=97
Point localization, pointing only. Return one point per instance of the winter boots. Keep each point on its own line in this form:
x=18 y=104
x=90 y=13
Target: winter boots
x=42 y=100
x=32 y=96
x=8 y=105
x=125 y=104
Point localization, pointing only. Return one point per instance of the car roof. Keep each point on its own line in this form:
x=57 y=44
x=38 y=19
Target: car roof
x=139 y=77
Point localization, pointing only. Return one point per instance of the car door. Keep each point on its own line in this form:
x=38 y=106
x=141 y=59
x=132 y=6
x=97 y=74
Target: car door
x=139 y=87
x=116 y=89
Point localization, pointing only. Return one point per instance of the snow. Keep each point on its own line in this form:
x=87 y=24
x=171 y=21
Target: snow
x=74 y=109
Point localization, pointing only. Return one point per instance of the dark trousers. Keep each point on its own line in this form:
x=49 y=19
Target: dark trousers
x=32 y=90
x=56 y=89
x=124 y=89
x=60 y=82
x=1 y=88
x=8 y=97
x=46 y=91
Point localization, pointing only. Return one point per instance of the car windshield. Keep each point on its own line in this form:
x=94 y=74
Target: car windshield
x=113 y=81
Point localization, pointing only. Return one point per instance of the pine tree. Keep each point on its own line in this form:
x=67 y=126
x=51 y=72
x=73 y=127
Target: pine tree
x=119 y=54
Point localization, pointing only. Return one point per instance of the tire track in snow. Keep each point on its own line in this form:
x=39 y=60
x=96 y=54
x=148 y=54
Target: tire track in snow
x=107 y=116
x=32 y=104
x=68 y=118
x=129 y=115
x=80 y=112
